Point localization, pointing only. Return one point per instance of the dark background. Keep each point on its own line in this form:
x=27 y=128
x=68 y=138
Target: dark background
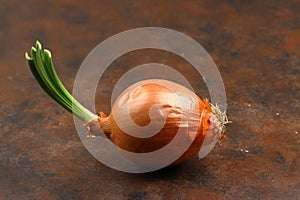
x=256 y=46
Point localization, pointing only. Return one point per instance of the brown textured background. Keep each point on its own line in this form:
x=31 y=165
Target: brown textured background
x=256 y=46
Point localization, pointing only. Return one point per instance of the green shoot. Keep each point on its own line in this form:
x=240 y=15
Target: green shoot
x=42 y=68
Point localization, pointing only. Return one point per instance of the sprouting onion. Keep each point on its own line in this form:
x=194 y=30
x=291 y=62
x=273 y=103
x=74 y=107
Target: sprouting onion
x=202 y=119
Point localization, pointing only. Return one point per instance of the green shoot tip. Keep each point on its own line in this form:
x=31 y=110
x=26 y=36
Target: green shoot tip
x=27 y=57
x=46 y=51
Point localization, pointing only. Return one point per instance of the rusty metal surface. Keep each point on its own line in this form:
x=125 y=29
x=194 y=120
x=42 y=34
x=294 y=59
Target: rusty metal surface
x=256 y=46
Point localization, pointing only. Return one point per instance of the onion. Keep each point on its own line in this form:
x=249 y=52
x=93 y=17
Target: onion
x=202 y=118
x=146 y=117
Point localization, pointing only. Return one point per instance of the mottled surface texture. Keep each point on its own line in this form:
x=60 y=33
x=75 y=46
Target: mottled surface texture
x=256 y=46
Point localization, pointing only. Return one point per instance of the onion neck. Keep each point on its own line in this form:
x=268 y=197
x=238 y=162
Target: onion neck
x=105 y=124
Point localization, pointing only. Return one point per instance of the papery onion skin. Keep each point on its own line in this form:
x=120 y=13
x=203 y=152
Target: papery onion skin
x=153 y=92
